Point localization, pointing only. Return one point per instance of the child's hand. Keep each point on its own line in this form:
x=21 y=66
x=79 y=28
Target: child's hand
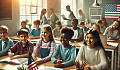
x=59 y=65
x=58 y=61
x=39 y=62
x=11 y=54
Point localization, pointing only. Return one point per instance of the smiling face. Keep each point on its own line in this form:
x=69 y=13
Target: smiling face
x=115 y=25
x=36 y=25
x=58 y=27
x=74 y=25
x=23 y=38
x=90 y=40
x=45 y=34
x=64 y=39
x=3 y=34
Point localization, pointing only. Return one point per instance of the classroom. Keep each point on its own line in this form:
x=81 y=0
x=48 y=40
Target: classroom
x=59 y=34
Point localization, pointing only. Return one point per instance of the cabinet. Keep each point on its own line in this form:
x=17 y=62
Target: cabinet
x=95 y=14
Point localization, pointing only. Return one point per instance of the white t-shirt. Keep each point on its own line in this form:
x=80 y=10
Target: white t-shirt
x=2 y=45
x=75 y=34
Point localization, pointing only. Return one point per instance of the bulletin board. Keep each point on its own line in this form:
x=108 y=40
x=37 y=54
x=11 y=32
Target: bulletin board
x=5 y=9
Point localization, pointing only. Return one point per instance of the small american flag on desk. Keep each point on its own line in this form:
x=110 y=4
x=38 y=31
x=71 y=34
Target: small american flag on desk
x=112 y=11
x=31 y=64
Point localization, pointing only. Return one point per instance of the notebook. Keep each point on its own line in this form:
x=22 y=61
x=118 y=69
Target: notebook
x=63 y=16
x=17 y=61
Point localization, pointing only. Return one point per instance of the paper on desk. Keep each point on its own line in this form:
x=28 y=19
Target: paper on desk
x=48 y=68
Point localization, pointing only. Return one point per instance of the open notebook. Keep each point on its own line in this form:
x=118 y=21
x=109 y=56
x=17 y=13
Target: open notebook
x=63 y=16
x=14 y=61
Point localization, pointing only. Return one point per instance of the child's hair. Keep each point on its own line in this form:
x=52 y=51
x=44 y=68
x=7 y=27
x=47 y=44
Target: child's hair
x=98 y=28
x=37 y=22
x=75 y=20
x=49 y=29
x=52 y=9
x=96 y=35
x=23 y=22
x=42 y=13
x=2 y=27
x=82 y=23
x=67 y=31
x=22 y=31
x=58 y=23
x=99 y=22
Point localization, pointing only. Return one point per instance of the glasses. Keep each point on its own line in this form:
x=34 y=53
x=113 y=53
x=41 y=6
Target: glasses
x=3 y=32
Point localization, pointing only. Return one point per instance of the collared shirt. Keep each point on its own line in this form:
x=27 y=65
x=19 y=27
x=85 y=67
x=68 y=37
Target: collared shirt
x=36 y=32
x=19 y=49
x=3 y=44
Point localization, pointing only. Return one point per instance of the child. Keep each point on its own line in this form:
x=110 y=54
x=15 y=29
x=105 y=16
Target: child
x=104 y=23
x=45 y=47
x=119 y=18
x=102 y=28
x=81 y=15
x=87 y=23
x=113 y=31
x=37 y=31
x=22 y=48
x=56 y=31
x=97 y=27
x=78 y=33
x=85 y=29
x=92 y=52
x=23 y=25
x=5 y=42
x=65 y=51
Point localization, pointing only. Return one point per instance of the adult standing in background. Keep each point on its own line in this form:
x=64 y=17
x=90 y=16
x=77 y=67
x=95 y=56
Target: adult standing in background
x=81 y=15
x=53 y=18
x=43 y=19
x=70 y=16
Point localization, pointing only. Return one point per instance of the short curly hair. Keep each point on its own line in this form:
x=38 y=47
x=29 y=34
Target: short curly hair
x=67 y=31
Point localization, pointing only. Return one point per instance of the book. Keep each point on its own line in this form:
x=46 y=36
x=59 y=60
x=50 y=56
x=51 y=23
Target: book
x=63 y=16
x=17 y=61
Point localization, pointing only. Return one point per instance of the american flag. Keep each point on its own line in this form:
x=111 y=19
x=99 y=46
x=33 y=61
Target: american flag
x=31 y=64
x=112 y=11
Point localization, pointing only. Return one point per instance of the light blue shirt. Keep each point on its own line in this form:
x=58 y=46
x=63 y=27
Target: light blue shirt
x=35 y=32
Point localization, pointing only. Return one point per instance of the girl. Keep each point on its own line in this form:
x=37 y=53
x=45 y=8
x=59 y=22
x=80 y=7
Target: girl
x=113 y=31
x=43 y=19
x=97 y=27
x=56 y=31
x=87 y=23
x=65 y=51
x=81 y=15
x=104 y=23
x=45 y=46
x=92 y=52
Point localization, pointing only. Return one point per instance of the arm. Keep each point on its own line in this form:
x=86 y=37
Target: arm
x=106 y=31
x=20 y=56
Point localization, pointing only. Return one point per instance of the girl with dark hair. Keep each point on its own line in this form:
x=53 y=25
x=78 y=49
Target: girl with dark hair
x=92 y=52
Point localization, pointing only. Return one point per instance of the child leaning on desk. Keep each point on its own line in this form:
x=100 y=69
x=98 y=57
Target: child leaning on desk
x=92 y=52
x=5 y=42
x=65 y=53
x=23 y=47
x=45 y=47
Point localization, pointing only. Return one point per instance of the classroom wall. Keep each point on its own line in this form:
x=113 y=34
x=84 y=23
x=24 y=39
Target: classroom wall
x=88 y=3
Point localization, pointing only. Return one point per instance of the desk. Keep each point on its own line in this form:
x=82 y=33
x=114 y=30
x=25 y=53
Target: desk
x=6 y=66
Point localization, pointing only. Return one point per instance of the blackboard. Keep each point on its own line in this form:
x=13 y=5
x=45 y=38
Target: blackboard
x=5 y=9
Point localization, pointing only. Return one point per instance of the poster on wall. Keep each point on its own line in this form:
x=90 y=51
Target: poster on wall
x=5 y=9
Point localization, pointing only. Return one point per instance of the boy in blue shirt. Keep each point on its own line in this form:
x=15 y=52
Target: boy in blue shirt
x=23 y=25
x=65 y=51
x=37 y=31
x=82 y=25
x=5 y=42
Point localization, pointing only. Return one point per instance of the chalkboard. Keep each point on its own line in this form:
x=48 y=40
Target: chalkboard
x=5 y=9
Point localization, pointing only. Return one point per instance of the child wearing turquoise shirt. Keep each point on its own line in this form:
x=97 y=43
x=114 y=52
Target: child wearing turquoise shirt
x=65 y=51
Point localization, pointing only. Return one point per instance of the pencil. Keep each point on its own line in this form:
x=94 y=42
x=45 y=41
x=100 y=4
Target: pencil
x=57 y=57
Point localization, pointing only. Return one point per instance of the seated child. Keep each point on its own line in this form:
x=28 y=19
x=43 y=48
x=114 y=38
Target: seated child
x=37 y=31
x=5 y=42
x=78 y=33
x=92 y=52
x=23 y=25
x=45 y=47
x=23 y=47
x=97 y=27
x=87 y=23
x=102 y=28
x=85 y=29
x=56 y=31
x=65 y=51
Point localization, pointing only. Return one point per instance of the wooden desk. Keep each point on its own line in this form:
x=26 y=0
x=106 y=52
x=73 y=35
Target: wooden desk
x=6 y=66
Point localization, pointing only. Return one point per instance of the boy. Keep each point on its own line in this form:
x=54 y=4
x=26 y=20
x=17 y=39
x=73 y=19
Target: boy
x=37 y=31
x=22 y=48
x=102 y=28
x=78 y=33
x=65 y=51
x=82 y=25
x=5 y=42
x=23 y=25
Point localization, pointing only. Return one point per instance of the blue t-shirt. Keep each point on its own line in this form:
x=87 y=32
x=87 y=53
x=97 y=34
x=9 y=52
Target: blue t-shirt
x=35 y=32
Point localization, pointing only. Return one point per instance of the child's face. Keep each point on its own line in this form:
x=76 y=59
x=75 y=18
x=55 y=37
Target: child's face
x=64 y=39
x=36 y=25
x=115 y=25
x=58 y=27
x=90 y=40
x=118 y=19
x=45 y=34
x=74 y=25
x=100 y=24
x=3 y=34
x=86 y=20
x=23 y=38
x=82 y=26
x=23 y=25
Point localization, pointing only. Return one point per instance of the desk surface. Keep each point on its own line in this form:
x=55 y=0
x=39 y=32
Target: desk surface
x=6 y=66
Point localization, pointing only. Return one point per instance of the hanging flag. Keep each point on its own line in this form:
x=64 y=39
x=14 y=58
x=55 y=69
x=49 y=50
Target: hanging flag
x=112 y=11
x=31 y=64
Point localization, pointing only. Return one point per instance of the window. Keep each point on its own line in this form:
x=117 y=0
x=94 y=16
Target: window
x=30 y=10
